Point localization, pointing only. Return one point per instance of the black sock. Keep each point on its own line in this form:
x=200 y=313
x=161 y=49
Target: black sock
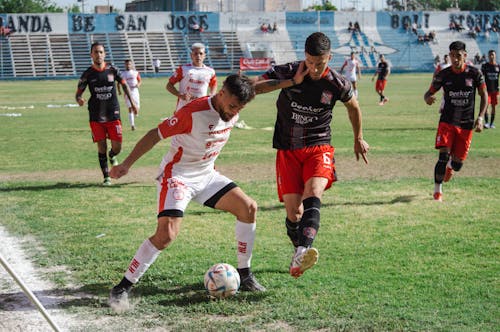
x=492 y=118
x=440 y=167
x=309 y=223
x=292 y=230
x=244 y=272
x=112 y=153
x=125 y=283
x=486 y=117
x=103 y=162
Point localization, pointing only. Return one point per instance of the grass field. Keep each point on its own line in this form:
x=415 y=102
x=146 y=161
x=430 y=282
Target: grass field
x=391 y=259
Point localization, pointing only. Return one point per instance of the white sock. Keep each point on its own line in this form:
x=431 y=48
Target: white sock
x=144 y=257
x=245 y=237
x=131 y=118
x=438 y=187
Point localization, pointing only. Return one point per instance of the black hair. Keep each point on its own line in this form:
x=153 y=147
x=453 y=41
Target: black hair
x=317 y=44
x=491 y=52
x=95 y=44
x=457 y=46
x=240 y=86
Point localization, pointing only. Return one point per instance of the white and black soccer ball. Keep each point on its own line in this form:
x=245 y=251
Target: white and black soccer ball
x=222 y=280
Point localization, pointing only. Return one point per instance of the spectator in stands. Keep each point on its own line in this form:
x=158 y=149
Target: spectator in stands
x=414 y=28
x=477 y=59
x=4 y=31
x=350 y=27
x=275 y=27
x=382 y=72
x=264 y=27
x=357 y=28
x=156 y=65
x=302 y=136
x=194 y=79
x=195 y=27
x=352 y=67
x=491 y=71
x=133 y=79
x=103 y=106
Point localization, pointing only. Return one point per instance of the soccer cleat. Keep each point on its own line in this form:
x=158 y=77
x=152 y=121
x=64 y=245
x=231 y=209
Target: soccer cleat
x=381 y=103
x=487 y=126
x=250 y=284
x=133 y=128
x=113 y=160
x=385 y=101
x=438 y=196
x=303 y=259
x=118 y=299
x=492 y=126
x=107 y=181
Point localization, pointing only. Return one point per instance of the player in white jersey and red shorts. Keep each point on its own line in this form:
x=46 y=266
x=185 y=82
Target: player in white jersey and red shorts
x=133 y=79
x=198 y=132
x=194 y=79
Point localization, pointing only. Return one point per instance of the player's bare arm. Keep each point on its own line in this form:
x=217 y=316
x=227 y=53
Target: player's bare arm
x=483 y=106
x=264 y=86
x=361 y=147
x=146 y=143
x=79 y=99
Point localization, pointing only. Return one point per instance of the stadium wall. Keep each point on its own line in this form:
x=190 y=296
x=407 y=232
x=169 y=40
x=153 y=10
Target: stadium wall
x=31 y=48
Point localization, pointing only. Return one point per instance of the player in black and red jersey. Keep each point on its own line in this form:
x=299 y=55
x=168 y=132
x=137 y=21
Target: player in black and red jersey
x=305 y=165
x=454 y=133
x=382 y=72
x=103 y=106
x=490 y=70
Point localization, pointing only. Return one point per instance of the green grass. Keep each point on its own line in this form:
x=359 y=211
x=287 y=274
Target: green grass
x=391 y=259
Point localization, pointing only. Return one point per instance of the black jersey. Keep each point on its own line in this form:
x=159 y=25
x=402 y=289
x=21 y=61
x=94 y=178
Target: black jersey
x=490 y=72
x=459 y=92
x=103 y=104
x=382 y=69
x=305 y=110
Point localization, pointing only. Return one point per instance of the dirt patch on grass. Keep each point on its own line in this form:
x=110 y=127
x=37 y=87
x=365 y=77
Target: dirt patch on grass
x=379 y=168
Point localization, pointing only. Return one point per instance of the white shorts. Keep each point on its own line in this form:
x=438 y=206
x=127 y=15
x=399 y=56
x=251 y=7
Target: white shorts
x=134 y=93
x=175 y=193
x=350 y=77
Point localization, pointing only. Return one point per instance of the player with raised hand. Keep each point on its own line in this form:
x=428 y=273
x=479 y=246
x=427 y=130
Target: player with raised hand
x=198 y=133
x=103 y=106
x=454 y=134
x=305 y=163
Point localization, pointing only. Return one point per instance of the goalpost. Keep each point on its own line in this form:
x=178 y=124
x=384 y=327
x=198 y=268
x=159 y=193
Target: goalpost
x=29 y=294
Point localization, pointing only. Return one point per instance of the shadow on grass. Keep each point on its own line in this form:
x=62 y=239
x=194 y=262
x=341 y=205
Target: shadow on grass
x=96 y=296
x=61 y=185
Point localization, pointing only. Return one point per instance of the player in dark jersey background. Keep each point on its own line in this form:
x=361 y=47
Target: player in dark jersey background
x=103 y=106
x=305 y=165
x=382 y=72
x=459 y=82
x=490 y=70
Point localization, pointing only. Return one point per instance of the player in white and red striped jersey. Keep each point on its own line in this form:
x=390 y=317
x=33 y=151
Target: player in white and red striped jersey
x=194 y=79
x=198 y=133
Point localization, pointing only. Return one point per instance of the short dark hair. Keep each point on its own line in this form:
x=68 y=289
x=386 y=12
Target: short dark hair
x=240 y=86
x=317 y=44
x=457 y=46
x=95 y=44
x=491 y=52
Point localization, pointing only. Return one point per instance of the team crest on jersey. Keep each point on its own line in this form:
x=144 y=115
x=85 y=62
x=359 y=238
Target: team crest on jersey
x=468 y=82
x=326 y=97
x=172 y=121
x=111 y=77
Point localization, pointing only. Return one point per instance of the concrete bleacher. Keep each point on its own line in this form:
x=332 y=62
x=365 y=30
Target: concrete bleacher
x=60 y=54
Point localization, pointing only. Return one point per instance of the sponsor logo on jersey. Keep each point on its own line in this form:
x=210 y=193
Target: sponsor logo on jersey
x=326 y=97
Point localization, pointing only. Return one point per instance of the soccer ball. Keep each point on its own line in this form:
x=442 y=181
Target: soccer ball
x=222 y=280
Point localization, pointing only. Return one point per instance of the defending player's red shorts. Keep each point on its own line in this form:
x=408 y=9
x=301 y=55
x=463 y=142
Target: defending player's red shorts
x=493 y=98
x=103 y=130
x=380 y=85
x=455 y=138
x=295 y=167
